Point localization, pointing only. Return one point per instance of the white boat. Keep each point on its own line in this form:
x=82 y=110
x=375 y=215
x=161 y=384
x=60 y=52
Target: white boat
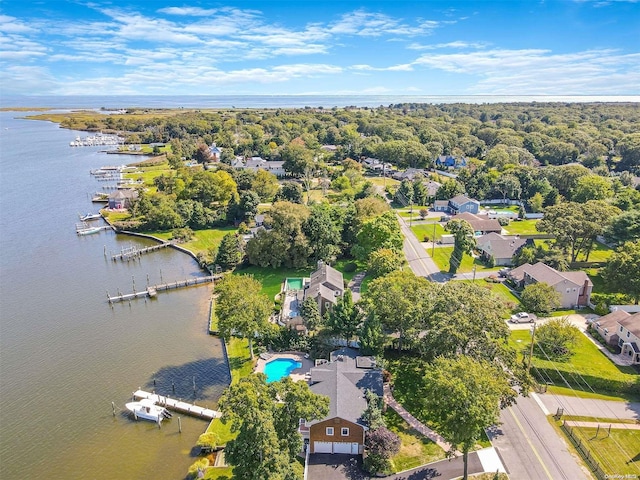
x=88 y=231
x=90 y=216
x=148 y=410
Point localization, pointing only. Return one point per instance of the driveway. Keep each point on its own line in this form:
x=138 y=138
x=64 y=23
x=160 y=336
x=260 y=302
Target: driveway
x=324 y=466
x=577 y=319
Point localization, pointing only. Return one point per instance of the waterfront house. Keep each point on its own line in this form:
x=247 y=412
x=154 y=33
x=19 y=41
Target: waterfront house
x=325 y=285
x=344 y=379
x=446 y=161
x=121 y=199
x=574 y=287
x=215 y=152
x=258 y=163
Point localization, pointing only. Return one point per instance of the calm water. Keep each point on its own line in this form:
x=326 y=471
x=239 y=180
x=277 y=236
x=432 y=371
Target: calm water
x=65 y=355
x=285 y=101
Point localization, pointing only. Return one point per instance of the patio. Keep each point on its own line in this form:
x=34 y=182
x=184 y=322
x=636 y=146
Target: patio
x=298 y=375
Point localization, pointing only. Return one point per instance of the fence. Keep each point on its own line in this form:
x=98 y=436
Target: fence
x=585 y=451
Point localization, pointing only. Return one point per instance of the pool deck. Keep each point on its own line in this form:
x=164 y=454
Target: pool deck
x=298 y=374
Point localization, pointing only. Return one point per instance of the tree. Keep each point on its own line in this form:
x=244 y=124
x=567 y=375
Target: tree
x=310 y=313
x=381 y=444
x=536 y=202
x=265 y=184
x=380 y=232
x=241 y=308
x=265 y=418
x=372 y=416
x=345 y=317
x=508 y=185
x=398 y=301
x=555 y=339
x=323 y=228
x=540 y=298
x=297 y=157
x=592 y=187
x=464 y=242
x=624 y=228
x=202 y=154
x=449 y=189
x=463 y=397
x=622 y=272
x=229 y=252
x=576 y=225
x=289 y=191
x=372 y=338
x=383 y=261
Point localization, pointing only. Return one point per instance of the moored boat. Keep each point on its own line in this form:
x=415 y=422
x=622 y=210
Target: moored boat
x=148 y=410
x=90 y=216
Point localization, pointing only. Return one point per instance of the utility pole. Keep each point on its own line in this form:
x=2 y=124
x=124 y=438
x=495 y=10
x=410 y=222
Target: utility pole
x=533 y=339
x=433 y=240
x=474 y=273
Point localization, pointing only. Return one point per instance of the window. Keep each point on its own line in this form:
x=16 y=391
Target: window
x=568 y=290
x=330 y=431
x=620 y=328
x=628 y=334
x=344 y=432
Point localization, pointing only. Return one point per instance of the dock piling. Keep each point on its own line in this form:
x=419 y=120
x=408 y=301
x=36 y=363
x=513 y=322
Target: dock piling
x=179 y=425
x=113 y=408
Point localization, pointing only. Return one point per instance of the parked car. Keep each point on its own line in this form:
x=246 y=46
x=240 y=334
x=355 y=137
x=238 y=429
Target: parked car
x=503 y=271
x=522 y=317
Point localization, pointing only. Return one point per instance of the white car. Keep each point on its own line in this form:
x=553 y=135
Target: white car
x=522 y=317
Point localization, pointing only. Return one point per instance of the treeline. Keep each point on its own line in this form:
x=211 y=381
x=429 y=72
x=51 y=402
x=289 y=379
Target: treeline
x=407 y=135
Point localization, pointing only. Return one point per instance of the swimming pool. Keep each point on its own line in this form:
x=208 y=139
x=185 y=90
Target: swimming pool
x=294 y=284
x=280 y=367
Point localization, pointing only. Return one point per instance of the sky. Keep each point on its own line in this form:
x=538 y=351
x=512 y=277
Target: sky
x=320 y=47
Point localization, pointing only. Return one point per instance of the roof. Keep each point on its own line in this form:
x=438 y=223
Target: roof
x=124 y=193
x=632 y=323
x=612 y=319
x=327 y=276
x=441 y=203
x=544 y=273
x=462 y=199
x=345 y=384
x=480 y=224
x=498 y=246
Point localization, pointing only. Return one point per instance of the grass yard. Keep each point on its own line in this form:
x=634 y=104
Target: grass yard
x=426 y=230
x=203 y=240
x=522 y=227
x=443 y=254
x=148 y=174
x=600 y=253
x=415 y=449
x=500 y=290
x=587 y=364
x=381 y=182
x=617 y=453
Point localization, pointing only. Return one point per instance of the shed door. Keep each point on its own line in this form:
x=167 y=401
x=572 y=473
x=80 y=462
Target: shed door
x=322 y=447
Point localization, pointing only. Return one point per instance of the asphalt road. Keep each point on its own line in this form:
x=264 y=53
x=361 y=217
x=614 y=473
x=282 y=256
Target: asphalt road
x=530 y=448
x=419 y=261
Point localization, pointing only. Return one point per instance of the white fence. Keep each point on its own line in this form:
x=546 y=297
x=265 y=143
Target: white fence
x=626 y=308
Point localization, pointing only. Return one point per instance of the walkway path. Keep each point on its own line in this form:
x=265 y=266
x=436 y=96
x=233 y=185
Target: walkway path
x=354 y=285
x=588 y=407
x=603 y=425
x=413 y=421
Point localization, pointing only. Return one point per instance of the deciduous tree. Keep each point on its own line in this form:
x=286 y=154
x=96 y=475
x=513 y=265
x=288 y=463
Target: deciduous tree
x=540 y=298
x=464 y=242
x=463 y=397
x=622 y=272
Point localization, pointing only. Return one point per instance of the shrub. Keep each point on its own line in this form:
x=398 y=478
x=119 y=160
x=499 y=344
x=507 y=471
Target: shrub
x=198 y=466
x=350 y=267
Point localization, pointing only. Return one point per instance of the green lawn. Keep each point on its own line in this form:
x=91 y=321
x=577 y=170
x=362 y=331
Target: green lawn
x=616 y=452
x=443 y=254
x=600 y=253
x=381 y=181
x=147 y=174
x=426 y=230
x=587 y=364
x=522 y=227
x=203 y=240
x=500 y=290
x=416 y=449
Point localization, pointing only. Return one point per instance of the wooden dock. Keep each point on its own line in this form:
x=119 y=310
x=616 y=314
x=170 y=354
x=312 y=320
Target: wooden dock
x=178 y=405
x=152 y=290
x=133 y=253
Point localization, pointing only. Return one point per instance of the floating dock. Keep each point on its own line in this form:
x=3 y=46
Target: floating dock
x=178 y=405
x=152 y=290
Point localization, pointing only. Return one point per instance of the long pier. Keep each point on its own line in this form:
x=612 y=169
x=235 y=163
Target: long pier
x=133 y=252
x=152 y=290
x=178 y=405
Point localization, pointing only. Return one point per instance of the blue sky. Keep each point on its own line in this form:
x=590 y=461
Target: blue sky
x=395 y=47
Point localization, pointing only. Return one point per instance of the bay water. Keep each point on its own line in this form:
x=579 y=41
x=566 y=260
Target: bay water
x=65 y=354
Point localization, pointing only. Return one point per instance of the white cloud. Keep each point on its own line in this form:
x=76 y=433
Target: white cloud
x=361 y=22
x=189 y=11
x=13 y=25
x=437 y=46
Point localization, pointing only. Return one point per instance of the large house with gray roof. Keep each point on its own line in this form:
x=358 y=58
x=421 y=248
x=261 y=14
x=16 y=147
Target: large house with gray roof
x=456 y=205
x=500 y=249
x=622 y=329
x=325 y=285
x=574 y=287
x=344 y=379
x=481 y=224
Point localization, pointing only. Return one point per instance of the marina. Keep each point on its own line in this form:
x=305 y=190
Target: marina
x=177 y=405
x=99 y=139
